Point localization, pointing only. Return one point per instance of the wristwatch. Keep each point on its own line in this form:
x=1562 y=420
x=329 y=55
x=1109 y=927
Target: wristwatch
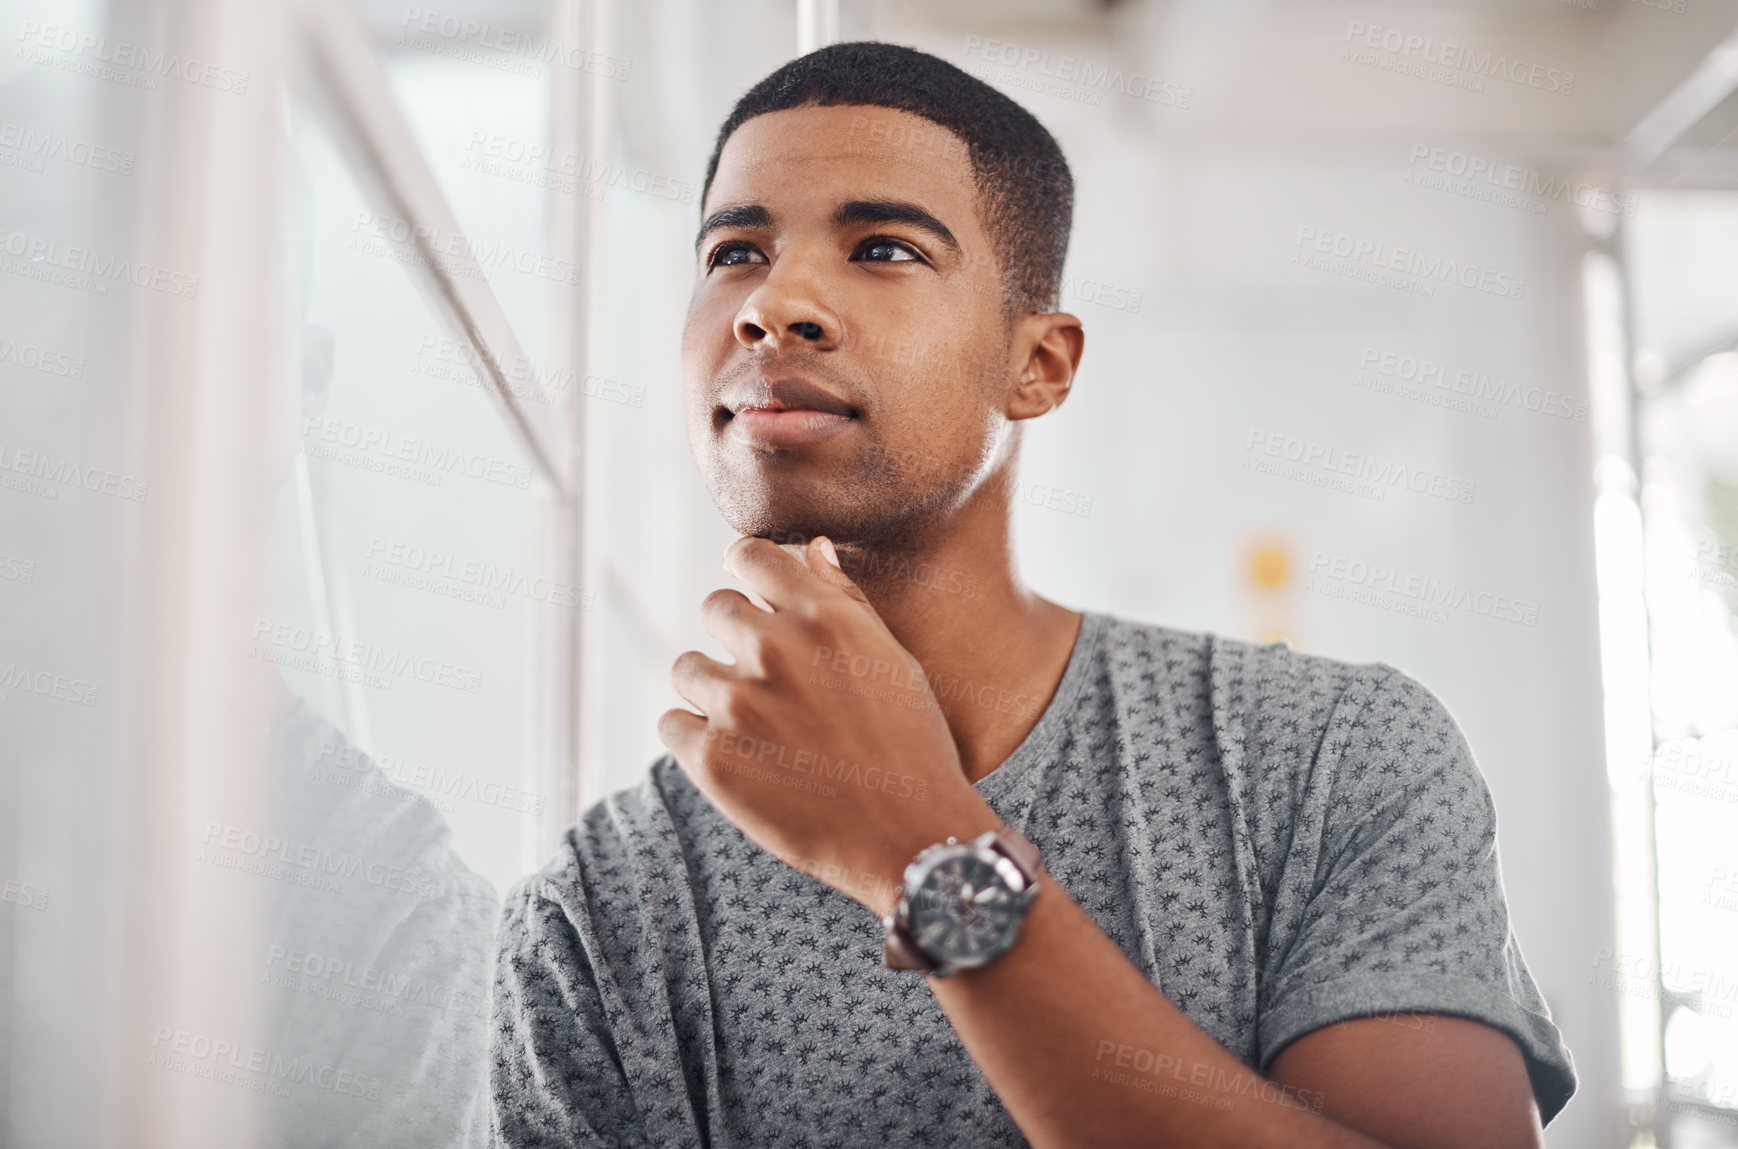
x=961 y=904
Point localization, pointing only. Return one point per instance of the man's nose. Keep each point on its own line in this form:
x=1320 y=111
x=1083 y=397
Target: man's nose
x=783 y=314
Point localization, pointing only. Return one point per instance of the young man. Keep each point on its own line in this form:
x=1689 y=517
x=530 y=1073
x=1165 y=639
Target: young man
x=1236 y=895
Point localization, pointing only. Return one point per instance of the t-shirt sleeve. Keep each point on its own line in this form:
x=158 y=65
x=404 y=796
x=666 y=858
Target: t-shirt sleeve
x=1405 y=910
x=555 y=1076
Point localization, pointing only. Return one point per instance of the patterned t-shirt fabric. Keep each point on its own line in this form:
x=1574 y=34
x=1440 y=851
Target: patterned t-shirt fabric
x=1278 y=841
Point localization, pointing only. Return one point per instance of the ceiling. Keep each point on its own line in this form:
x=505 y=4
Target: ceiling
x=1276 y=70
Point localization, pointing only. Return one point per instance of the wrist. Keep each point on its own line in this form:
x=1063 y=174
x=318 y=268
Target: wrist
x=963 y=820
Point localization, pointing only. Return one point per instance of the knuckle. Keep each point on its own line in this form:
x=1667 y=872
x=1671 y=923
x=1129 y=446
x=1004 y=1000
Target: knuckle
x=746 y=550
x=688 y=665
x=670 y=728
x=721 y=601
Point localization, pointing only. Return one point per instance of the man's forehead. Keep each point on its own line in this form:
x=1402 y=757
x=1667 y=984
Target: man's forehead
x=897 y=152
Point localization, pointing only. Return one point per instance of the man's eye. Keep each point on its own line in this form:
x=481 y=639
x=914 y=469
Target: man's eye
x=886 y=251
x=735 y=255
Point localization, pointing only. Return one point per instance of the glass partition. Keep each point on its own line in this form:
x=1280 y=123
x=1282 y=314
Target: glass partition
x=1683 y=255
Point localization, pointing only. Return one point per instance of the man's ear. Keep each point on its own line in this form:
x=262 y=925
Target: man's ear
x=1053 y=343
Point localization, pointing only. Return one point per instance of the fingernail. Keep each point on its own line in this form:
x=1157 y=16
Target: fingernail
x=832 y=555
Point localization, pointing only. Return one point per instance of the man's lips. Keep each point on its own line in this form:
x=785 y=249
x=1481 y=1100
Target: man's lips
x=785 y=413
x=762 y=428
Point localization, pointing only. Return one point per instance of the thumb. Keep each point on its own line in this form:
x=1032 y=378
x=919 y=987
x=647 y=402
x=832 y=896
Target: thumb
x=823 y=559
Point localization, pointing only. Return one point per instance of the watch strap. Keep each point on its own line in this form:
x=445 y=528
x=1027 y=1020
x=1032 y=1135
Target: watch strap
x=900 y=952
x=1019 y=847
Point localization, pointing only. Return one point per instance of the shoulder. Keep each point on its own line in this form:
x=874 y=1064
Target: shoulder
x=1400 y=749
x=1130 y=641
x=1253 y=688
x=1287 y=720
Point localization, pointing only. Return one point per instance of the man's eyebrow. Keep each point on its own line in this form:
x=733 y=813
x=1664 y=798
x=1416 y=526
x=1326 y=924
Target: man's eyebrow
x=872 y=211
x=742 y=215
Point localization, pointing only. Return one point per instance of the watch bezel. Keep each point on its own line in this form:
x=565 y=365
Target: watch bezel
x=1021 y=887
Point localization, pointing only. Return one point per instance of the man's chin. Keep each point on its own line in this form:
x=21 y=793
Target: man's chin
x=791 y=527
x=856 y=508
x=787 y=520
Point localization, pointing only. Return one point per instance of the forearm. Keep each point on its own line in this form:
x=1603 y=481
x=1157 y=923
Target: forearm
x=1060 y=1024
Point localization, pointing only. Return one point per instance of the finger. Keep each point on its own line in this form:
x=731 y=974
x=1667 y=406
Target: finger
x=702 y=681
x=737 y=624
x=822 y=559
x=685 y=734
x=770 y=571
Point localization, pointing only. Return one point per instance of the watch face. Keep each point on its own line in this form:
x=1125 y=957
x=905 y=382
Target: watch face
x=963 y=910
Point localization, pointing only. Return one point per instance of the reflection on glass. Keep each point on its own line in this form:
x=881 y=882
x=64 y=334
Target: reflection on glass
x=393 y=646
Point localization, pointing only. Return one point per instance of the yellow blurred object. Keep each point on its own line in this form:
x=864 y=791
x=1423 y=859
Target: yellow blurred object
x=1268 y=577
x=1270 y=565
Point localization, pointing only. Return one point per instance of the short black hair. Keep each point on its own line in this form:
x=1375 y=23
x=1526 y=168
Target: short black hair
x=1025 y=190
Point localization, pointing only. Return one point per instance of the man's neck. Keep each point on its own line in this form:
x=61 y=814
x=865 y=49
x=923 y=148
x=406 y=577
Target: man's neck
x=994 y=651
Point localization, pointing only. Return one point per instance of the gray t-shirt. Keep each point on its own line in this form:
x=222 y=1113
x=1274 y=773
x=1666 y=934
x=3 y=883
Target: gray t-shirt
x=1278 y=841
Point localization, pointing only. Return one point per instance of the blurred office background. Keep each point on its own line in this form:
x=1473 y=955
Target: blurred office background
x=348 y=528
